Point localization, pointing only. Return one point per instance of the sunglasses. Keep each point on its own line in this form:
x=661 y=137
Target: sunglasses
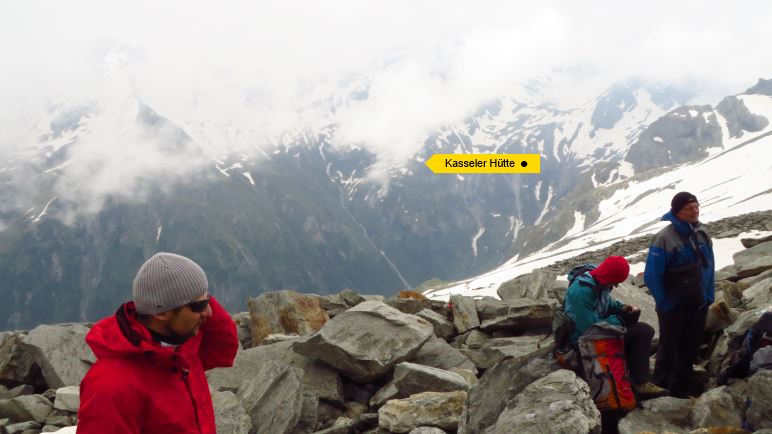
x=199 y=306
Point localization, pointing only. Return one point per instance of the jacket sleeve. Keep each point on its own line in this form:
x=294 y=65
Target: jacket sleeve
x=654 y=274
x=219 y=342
x=615 y=307
x=710 y=293
x=580 y=306
x=108 y=406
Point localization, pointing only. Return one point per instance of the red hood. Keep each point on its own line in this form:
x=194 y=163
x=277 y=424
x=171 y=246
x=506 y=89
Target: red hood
x=121 y=335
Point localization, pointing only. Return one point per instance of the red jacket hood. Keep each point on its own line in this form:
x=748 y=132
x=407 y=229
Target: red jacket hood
x=122 y=335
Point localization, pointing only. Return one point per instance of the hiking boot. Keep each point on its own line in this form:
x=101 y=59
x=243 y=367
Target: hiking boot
x=649 y=390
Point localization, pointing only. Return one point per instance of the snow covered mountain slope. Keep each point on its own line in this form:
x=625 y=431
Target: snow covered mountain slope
x=734 y=180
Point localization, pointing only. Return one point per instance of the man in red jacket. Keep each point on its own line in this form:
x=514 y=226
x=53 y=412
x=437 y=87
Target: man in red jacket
x=152 y=354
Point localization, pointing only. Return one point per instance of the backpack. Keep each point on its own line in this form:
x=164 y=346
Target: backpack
x=602 y=350
x=563 y=327
x=758 y=336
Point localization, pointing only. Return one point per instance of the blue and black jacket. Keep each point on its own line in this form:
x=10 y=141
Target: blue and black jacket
x=668 y=250
x=586 y=304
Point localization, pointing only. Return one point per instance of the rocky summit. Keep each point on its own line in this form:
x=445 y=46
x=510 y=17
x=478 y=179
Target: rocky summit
x=348 y=363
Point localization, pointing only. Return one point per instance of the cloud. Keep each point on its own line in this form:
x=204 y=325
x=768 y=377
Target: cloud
x=233 y=77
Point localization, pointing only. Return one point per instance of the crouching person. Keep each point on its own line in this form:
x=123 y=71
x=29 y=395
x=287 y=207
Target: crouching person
x=152 y=354
x=588 y=301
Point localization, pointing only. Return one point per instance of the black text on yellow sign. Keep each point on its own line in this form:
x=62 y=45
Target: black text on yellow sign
x=484 y=163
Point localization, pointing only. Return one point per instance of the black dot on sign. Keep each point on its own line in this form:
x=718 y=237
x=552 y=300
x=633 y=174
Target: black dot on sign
x=523 y=163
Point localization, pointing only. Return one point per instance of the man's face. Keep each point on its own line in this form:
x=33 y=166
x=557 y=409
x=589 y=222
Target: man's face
x=185 y=322
x=690 y=213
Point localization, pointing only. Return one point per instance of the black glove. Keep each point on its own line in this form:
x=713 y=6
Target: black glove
x=629 y=317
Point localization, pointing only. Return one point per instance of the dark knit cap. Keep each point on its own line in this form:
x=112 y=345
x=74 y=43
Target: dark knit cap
x=615 y=269
x=167 y=281
x=680 y=200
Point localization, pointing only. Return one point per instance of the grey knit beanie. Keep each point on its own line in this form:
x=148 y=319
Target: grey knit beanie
x=167 y=281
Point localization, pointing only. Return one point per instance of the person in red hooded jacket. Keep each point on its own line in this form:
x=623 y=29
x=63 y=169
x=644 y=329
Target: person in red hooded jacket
x=152 y=354
x=588 y=301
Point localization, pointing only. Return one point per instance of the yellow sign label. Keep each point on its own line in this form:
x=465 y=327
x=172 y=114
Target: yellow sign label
x=484 y=163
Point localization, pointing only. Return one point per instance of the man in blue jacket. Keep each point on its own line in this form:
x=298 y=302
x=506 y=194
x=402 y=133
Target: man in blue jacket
x=680 y=271
x=588 y=301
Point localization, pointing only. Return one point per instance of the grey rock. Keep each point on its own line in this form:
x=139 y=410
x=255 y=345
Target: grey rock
x=366 y=341
x=342 y=425
x=309 y=412
x=557 y=403
x=411 y=378
x=24 y=408
x=739 y=118
x=442 y=326
x=434 y=409
x=278 y=337
x=758 y=295
x=352 y=299
x=61 y=418
x=759 y=413
x=355 y=409
x=273 y=398
x=68 y=399
x=284 y=312
x=333 y=304
x=722 y=275
x=753 y=242
x=715 y=408
x=518 y=347
x=534 y=285
x=243 y=328
x=488 y=398
x=665 y=414
x=464 y=313
x=317 y=376
x=18 y=428
x=427 y=430
x=365 y=421
x=385 y=393
x=3 y=392
x=750 y=281
x=16 y=365
x=61 y=352
x=476 y=339
x=757 y=259
x=408 y=305
x=21 y=390
x=522 y=315
x=229 y=415
x=439 y=354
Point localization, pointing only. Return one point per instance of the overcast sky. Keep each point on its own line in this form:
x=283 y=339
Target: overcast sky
x=260 y=65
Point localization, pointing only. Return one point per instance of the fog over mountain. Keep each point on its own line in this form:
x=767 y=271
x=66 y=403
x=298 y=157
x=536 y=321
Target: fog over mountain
x=284 y=148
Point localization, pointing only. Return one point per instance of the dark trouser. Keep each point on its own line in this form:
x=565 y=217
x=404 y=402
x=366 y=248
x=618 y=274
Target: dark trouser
x=637 y=350
x=680 y=336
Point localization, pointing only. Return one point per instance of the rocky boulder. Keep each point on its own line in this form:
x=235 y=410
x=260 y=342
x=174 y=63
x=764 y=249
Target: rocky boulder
x=411 y=378
x=519 y=316
x=316 y=376
x=273 y=398
x=488 y=398
x=664 y=414
x=442 y=326
x=464 y=313
x=431 y=409
x=534 y=285
x=229 y=415
x=284 y=312
x=367 y=341
x=755 y=260
x=558 y=403
x=439 y=354
x=758 y=295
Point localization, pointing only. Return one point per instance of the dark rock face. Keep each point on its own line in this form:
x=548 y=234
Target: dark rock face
x=683 y=135
x=739 y=118
x=763 y=87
